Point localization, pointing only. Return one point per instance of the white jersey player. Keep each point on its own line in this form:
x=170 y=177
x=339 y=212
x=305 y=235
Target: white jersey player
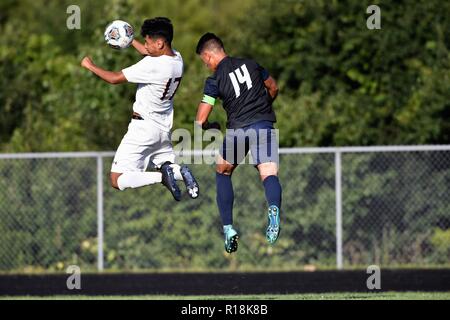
x=148 y=140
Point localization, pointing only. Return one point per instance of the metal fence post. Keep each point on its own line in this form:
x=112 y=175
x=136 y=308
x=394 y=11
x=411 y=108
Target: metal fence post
x=338 y=178
x=100 y=213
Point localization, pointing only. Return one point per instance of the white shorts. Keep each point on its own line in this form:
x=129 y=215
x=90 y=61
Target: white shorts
x=142 y=146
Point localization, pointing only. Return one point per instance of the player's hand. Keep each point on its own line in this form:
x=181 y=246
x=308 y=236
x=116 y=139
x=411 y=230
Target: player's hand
x=211 y=125
x=86 y=62
x=140 y=47
x=215 y=125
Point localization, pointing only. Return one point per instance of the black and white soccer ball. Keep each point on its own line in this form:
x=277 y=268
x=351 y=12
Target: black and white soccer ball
x=119 y=34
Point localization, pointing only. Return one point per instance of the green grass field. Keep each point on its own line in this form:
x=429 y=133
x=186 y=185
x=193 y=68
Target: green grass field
x=325 y=296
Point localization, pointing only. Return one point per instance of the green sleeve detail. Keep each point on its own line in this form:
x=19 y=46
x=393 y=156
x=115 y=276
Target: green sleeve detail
x=209 y=100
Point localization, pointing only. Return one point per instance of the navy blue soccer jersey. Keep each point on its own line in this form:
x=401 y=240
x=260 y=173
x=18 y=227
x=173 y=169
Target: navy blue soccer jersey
x=239 y=83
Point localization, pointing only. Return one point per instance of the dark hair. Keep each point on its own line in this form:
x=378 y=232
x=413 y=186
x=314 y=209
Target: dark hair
x=209 y=41
x=158 y=27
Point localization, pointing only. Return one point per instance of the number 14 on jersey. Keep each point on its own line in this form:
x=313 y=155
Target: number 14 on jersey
x=240 y=76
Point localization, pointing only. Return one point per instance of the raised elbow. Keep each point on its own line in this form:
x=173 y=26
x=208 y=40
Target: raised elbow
x=116 y=78
x=275 y=90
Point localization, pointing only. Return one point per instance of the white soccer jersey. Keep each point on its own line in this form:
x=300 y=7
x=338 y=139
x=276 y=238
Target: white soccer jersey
x=158 y=79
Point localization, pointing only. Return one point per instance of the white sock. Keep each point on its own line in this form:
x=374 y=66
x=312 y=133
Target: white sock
x=138 y=179
x=176 y=172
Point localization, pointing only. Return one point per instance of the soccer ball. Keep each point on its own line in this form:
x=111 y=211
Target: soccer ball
x=119 y=34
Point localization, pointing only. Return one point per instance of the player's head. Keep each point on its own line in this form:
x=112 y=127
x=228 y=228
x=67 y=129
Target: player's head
x=211 y=50
x=158 y=33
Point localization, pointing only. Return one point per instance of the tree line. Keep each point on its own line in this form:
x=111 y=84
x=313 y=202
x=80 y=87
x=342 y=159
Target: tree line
x=340 y=83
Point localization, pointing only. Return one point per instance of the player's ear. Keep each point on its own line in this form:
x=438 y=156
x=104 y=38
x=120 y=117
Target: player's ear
x=160 y=43
x=206 y=57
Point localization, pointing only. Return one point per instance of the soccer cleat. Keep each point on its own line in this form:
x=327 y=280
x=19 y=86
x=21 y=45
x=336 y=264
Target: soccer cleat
x=168 y=179
x=231 y=239
x=273 y=228
x=190 y=182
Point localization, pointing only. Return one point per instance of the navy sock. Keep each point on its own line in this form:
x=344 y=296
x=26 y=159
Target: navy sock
x=225 y=198
x=273 y=191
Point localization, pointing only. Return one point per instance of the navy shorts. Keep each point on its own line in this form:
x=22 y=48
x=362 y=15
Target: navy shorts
x=259 y=138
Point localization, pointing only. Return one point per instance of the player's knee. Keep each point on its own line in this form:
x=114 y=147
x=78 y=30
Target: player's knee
x=114 y=184
x=264 y=177
x=267 y=170
x=113 y=179
x=225 y=169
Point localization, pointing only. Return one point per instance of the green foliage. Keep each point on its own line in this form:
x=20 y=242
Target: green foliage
x=49 y=103
x=441 y=241
x=341 y=84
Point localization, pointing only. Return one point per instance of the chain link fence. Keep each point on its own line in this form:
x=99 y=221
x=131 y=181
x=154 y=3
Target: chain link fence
x=47 y=213
x=342 y=207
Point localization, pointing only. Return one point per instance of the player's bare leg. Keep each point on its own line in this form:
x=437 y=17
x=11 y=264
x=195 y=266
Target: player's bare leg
x=268 y=173
x=133 y=179
x=225 y=199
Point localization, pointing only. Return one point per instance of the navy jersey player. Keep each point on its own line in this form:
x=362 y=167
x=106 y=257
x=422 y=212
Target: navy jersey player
x=247 y=92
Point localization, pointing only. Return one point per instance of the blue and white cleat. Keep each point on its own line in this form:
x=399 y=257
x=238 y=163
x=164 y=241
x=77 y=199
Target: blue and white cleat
x=191 y=184
x=231 y=237
x=168 y=179
x=273 y=228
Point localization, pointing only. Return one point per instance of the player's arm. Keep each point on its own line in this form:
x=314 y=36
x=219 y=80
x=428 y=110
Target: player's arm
x=272 y=88
x=203 y=111
x=205 y=107
x=269 y=83
x=140 y=47
x=108 y=76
